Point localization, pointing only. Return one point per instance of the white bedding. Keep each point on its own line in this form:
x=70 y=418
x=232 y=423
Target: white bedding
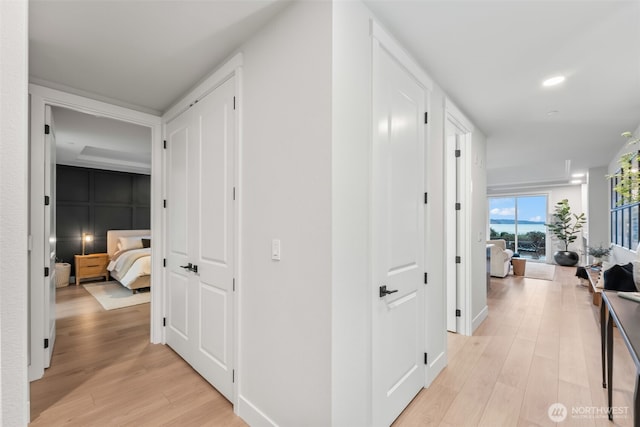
x=140 y=267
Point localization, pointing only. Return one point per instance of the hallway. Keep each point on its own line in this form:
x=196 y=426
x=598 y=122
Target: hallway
x=105 y=372
x=539 y=345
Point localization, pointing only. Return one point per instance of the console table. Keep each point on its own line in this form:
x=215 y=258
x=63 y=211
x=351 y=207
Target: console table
x=626 y=315
x=594 y=274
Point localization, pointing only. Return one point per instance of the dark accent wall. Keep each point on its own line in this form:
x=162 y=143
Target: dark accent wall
x=94 y=201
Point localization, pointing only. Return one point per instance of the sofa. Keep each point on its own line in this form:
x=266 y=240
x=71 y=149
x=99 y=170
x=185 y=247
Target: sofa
x=500 y=258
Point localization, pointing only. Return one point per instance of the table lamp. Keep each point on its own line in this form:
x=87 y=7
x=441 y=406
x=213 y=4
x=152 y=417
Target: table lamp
x=86 y=238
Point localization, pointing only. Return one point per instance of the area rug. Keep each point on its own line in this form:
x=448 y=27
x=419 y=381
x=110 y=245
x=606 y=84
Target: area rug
x=539 y=270
x=112 y=295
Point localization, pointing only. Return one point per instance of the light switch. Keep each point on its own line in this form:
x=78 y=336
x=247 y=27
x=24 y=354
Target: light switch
x=275 y=249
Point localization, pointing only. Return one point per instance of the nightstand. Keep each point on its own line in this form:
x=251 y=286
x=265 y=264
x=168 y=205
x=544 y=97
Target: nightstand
x=91 y=266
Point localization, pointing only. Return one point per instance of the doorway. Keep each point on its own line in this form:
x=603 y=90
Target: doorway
x=458 y=131
x=42 y=304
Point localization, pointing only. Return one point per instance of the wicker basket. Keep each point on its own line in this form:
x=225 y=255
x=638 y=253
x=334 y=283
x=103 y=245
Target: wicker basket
x=63 y=271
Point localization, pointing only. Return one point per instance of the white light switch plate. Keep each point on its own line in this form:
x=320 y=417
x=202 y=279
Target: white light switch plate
x=275 y=249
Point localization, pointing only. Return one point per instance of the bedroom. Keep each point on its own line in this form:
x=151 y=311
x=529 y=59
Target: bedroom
x=102 y=187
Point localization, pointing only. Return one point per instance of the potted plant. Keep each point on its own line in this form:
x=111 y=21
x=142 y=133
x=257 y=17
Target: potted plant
x=627 y=179
x=565 y=228
x=598 y=252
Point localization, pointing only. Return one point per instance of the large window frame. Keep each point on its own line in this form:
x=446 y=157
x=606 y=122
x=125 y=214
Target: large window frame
x=624 y=214
x=540 y=253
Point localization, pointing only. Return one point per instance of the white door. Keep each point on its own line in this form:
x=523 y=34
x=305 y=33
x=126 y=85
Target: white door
x=200 y=236
x=397 y=238
x=451 y=225
x=50 y=236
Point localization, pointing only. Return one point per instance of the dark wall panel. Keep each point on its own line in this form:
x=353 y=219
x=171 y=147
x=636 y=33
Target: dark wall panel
x=73 y=184
x=94 y=201
x=113 y=187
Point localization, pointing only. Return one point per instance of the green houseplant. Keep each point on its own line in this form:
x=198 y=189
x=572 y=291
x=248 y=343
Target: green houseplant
x=599 y=252
x=565 y=228
x=627 y=179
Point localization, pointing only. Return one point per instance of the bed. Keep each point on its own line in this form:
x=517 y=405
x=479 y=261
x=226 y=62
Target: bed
x=129 y=260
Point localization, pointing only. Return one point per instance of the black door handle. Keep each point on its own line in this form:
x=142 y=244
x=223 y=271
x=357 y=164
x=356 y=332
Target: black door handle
x=194 y=268
x=187 y=267
x=384 y=291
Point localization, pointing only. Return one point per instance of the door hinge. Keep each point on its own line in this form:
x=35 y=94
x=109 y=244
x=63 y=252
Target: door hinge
x=234 y=102
x=46 y=200
x=164 y=321
x=234 y=284
x=46 y=272
x=458 y=153
x=46 y=343
x=164 y=203
x=426 y=198
x=458 y=313
x=47 y=129
x=233 y=375
x=164 y=262
x=458 y=260
x=426 y=117
x=234 y=193
x=425 y=278
x=458 y=206
x=426 y=359
x=164 y=145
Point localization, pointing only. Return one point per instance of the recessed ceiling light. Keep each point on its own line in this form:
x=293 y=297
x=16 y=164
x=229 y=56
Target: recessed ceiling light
x=576 y=181
x=553 y=81
x=577 y=175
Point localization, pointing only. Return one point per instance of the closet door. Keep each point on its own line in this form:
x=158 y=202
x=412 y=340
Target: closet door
x=200 y=233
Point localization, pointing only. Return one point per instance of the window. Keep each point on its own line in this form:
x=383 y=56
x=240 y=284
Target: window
x=625 y=214
x=519 y=220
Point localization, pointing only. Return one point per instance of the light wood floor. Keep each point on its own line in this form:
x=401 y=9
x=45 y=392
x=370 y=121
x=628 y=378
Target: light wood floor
x=104 y=372
x=539 y=345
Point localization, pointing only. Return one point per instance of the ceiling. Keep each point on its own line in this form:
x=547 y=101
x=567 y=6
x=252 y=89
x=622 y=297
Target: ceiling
x=490 y=57
x=95 y=142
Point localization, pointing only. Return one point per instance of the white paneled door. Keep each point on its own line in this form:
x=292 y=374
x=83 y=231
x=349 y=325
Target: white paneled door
x=397 y=238
x=200 y=236
x=50 y=235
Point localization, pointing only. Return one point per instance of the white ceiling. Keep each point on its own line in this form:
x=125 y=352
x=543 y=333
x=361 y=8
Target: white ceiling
x=490 y=57
x=100 y=143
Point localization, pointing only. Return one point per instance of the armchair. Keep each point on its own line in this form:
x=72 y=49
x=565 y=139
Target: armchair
x=500 y=258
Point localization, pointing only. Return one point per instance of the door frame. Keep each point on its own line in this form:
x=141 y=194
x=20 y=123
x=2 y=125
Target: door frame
x=454 y=117
x=231 y=68
x=380 y=39
x=41 y=96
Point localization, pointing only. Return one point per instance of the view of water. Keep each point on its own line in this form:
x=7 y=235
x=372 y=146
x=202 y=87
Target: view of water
x=522 y=228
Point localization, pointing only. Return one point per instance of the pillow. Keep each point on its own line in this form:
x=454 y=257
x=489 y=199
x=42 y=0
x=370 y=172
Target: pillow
x=127 y=243
x=620 y=278
x=146 y=243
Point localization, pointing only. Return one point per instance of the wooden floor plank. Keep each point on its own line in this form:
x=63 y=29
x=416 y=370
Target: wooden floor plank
x=104 y=371
x=539 y=345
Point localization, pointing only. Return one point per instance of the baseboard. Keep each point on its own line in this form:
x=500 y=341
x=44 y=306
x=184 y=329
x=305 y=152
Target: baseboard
x=477 y=321
x=252 y=415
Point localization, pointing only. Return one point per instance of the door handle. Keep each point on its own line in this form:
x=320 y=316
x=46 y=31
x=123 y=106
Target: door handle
x=194 y=268
x=384 y=291
x=187 y=267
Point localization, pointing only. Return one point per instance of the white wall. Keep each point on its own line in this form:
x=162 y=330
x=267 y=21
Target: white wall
x=598 y=207
x=285 y=318
x=351 y=331
x=477 y=233
x=14 y=391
